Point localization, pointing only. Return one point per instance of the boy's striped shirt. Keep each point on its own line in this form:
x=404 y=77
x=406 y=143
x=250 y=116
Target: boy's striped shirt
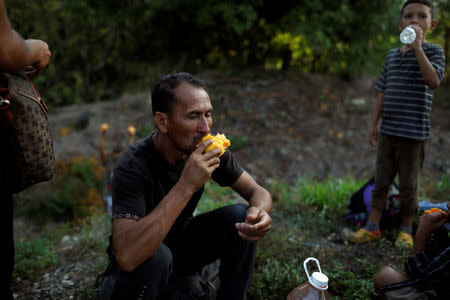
x=407 y=99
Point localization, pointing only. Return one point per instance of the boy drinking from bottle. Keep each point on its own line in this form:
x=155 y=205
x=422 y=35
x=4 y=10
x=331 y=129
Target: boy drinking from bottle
x=405 y=92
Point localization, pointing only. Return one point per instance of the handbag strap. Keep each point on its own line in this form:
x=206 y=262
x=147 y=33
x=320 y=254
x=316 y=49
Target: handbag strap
x=4 y=90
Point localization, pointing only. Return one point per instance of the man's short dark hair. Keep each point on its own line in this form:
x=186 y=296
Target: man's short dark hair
x=163 y=92
x=425 y=2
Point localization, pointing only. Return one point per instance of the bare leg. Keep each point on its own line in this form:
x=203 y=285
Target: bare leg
x=375 y=215
x=386 y=276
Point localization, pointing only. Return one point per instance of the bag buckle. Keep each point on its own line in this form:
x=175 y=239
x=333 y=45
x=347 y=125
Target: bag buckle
x=4 y=102
x=4 y=107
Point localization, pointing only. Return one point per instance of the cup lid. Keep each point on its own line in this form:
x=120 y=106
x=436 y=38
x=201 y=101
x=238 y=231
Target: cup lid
x=319 y=280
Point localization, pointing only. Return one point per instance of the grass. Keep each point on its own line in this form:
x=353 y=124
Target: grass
x=307 y=217
x=34 y=255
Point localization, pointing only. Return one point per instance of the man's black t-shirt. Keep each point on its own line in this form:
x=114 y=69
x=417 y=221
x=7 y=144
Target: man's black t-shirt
x=142 y=178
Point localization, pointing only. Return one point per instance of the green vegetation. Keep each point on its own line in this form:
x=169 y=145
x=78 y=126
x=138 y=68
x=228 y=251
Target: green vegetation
x=34 y=255
x=306 y=218
x=214 y=197
x=75 y=192
x=102 y=48
x=330 y=195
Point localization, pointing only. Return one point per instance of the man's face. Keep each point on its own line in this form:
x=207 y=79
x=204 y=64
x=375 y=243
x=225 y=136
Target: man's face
x=190 y=119
x=417 y=14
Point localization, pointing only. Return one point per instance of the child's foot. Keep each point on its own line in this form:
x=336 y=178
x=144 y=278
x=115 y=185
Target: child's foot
x=364 y=236
x=404 y=240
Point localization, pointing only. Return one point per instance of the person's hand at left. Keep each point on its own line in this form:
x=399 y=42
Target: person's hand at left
x=41 y=55
x=432 y=221
x=256 y=225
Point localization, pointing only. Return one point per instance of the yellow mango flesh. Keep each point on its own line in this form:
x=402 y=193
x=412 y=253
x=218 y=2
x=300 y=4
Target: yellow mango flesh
x=219 y=141
x=433 y=210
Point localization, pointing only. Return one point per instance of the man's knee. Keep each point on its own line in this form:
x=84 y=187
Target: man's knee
x=148 y=280
x=237 y=212
x=159 y=263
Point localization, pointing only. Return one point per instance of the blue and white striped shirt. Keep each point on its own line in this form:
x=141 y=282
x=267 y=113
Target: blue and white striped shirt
x=407 y=99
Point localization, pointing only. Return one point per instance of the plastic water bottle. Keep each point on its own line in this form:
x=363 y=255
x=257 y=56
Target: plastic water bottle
x=315 y=288
x=408 y=35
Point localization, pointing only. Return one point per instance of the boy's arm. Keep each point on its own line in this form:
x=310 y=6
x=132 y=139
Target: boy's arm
x=429 y=73
x=373 y=135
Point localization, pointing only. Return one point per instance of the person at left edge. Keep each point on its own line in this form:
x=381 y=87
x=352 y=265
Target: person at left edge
x=16 y=54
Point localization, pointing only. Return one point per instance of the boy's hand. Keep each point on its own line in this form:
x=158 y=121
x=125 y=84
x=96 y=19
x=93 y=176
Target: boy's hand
x=373 y=136
x=417 y=43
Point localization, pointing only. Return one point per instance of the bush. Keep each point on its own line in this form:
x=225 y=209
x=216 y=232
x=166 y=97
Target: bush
x=75 y=192
x=77 y=189
x=32 y=257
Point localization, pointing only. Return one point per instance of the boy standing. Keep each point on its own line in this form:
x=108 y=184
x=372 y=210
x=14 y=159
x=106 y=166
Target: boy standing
x=405 y=92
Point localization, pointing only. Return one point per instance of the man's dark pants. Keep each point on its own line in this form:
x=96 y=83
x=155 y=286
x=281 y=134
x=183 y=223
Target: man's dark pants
x=204 y=239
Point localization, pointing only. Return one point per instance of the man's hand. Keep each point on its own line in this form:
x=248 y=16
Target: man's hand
x=199 y=166
x=256 y=225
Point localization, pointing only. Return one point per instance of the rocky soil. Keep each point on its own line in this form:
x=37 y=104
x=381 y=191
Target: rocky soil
x=281 y=127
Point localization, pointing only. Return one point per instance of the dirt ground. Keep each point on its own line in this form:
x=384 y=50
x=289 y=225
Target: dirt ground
x=282 y=127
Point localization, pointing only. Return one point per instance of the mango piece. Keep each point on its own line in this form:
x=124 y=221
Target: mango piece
x=433 y=210
x=219 y=141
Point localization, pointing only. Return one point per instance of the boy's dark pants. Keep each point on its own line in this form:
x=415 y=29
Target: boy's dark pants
x=405 y=157
x=205 y=238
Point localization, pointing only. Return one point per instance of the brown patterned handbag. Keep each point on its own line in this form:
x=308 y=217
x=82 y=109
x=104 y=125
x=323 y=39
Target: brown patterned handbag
x=24 y=117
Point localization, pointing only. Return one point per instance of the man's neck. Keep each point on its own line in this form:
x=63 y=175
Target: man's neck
x=166 y=149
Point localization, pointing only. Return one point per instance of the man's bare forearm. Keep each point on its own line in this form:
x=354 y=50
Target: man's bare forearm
x=136 y=242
